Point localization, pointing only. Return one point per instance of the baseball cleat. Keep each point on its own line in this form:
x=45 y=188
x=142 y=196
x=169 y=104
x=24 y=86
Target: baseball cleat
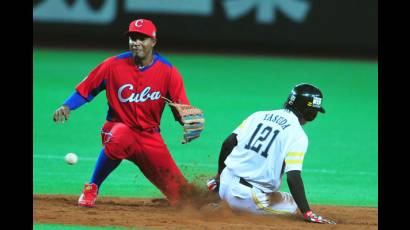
x=88 y=196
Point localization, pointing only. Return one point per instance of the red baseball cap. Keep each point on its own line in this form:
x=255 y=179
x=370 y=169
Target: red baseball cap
x=143 y=26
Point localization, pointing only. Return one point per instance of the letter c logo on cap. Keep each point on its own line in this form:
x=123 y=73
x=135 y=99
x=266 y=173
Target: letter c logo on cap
x=139 y=22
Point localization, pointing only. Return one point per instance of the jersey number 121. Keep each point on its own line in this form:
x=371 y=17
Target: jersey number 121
x=256 y=145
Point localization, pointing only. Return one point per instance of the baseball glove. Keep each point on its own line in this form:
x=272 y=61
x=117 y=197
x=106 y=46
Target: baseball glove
x=192 y=119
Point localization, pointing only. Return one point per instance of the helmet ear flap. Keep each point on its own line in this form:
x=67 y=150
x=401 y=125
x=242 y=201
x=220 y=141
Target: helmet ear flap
x=310 y=114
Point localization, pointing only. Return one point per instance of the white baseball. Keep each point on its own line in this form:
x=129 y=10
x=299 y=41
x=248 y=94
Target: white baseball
x=71 y=158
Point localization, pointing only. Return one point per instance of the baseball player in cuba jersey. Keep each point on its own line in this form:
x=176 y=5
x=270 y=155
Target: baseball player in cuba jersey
x=135 y=83
x=266 y=145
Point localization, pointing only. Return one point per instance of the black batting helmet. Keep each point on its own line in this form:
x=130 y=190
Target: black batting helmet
x=305 y=101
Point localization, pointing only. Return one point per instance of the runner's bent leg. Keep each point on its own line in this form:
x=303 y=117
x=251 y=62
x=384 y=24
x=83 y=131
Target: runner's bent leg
x=244 y=198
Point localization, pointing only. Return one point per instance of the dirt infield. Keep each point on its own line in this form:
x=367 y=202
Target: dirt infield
x=157 y=214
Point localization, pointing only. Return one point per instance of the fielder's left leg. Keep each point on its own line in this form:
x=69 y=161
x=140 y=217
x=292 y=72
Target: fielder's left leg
x=115 y=137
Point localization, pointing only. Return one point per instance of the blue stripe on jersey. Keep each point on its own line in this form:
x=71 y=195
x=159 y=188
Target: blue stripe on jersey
x=149 y=66
x=124 y=55
x=97 y=90
x=110 y=113
x=157 y=57
x=163 y=60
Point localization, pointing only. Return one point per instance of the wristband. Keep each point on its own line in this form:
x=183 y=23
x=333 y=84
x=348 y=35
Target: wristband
x=74 y=101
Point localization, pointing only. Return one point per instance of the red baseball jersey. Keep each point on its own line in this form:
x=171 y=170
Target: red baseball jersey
x=133 y=93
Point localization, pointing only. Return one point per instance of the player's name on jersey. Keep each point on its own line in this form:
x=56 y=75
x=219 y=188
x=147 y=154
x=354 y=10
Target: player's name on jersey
x=138 y=97
x=281 y=121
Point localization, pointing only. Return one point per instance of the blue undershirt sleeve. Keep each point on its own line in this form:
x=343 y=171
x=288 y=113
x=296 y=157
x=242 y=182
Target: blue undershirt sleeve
x=75 y=101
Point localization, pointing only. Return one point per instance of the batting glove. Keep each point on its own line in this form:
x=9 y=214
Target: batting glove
x=314 y=218
x=213 y=185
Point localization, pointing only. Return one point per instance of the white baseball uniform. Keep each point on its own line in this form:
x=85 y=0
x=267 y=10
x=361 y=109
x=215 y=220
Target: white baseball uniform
x=269 y=144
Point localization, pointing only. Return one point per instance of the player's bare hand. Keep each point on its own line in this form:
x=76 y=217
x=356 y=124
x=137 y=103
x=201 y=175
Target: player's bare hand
x=314 y=218
x=61 y=114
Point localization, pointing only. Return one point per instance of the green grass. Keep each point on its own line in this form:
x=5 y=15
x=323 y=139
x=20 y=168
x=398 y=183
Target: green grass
x=340 y=167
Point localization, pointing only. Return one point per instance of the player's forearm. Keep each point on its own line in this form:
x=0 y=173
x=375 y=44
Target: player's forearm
x=297 y=190
x=75 y=101
x=226 y=149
